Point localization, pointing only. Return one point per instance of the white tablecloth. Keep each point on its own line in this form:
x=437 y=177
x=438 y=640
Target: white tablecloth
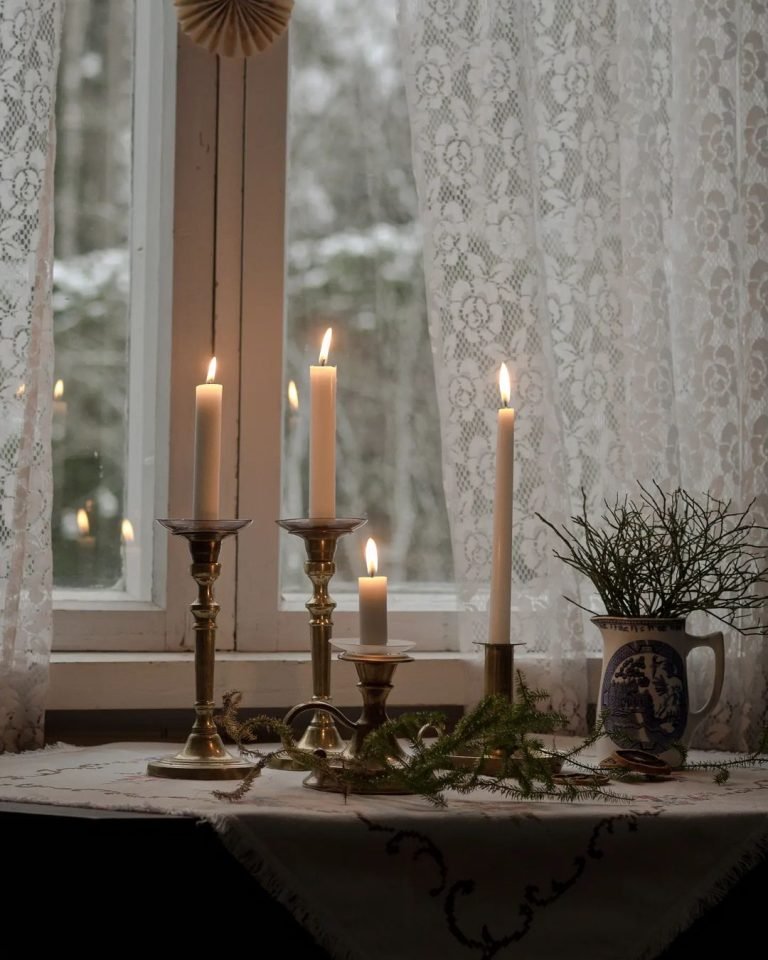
x=393 y=877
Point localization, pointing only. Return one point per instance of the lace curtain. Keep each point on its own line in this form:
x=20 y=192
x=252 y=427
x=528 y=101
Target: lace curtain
x=593 y=183
x=29 y=35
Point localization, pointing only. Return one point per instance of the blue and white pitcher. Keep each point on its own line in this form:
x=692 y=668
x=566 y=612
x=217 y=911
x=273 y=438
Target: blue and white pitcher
x=644 y=697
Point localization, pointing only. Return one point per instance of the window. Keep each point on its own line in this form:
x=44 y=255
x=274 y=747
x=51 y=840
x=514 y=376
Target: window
x=113 y=207
x=228 y=269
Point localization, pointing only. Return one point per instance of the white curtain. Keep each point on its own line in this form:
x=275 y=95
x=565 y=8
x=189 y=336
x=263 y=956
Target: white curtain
x=29 y=40
x=593 y=183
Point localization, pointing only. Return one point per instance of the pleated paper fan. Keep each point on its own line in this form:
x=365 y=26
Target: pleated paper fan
x=234 y=28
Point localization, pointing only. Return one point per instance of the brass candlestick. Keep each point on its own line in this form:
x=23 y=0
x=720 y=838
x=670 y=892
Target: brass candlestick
x=375 y=671
x=203 y=756
x=498 y=680
x=320 y=538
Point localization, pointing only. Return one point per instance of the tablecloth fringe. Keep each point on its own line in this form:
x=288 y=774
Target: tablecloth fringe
x=711 y=892
x=46 y=748
x=277 y=887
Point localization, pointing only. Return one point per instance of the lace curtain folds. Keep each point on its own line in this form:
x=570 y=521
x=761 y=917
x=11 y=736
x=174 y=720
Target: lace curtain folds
x=593 y=183
x=29 y=41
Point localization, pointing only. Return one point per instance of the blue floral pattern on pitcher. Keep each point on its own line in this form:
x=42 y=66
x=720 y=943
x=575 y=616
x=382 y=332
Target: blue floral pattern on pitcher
x=645 y=695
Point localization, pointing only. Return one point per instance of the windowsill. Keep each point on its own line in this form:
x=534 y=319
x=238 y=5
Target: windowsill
x=121 y=681
x=130 y=681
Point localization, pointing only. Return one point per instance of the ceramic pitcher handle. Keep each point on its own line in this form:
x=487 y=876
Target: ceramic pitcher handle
x=716 y=644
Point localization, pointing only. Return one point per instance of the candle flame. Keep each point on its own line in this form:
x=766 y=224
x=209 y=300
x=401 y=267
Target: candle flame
x=326 y=346
x=293 y=396
x=126 y=529
x=83 y=525
x=505 y=388
x=371 y=557
x=211 y=371
x=58 y=390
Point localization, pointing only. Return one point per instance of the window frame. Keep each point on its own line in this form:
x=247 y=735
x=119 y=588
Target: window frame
x=218 y=135
x=135 y=617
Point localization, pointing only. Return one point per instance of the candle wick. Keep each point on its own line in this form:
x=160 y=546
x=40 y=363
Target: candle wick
x=323 y=361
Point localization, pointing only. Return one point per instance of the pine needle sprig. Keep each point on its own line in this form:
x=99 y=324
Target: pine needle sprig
x=722 y=768
x=426 y=769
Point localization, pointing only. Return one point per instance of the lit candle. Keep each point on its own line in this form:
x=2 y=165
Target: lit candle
x=207 y=468
x=501 y=573
x=373 y=600
x=322 y=437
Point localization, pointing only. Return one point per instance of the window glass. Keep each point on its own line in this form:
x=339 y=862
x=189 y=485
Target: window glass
x=91 y=293
x=354 y=263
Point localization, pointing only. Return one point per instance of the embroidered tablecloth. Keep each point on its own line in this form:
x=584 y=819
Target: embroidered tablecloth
x=394 y=877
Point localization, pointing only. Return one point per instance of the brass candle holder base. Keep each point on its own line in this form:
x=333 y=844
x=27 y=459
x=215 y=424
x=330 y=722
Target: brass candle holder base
x=320 y=538
x=321 y=734
x=375 y=672
x=203 y=756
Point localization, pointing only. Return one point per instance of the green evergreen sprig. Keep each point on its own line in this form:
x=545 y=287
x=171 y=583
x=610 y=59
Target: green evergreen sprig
x=528 y=772
x=722 y=768
x=667 y=555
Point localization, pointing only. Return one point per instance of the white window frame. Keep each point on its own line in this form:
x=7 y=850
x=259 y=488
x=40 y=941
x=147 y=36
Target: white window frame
x=135 y=617
x=229 y=296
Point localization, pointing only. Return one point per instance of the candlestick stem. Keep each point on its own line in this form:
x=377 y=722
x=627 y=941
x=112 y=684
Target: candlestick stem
x=498 y=670
x=320 y=538
x=203 y=756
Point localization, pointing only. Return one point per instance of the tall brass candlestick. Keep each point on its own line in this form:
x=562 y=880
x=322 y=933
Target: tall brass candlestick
x=203 y=756
x=320 y=538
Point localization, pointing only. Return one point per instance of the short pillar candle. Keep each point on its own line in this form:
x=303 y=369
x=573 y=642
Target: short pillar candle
x=373 y=601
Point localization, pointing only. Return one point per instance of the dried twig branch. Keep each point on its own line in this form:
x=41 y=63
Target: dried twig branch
x=668 y=555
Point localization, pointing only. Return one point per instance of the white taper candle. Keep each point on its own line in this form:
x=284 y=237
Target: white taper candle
x=206 y=477
x=501 y=571
x=322 y=437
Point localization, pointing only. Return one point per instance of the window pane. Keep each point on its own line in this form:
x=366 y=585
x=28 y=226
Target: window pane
x=91 y=291
x=354 y=263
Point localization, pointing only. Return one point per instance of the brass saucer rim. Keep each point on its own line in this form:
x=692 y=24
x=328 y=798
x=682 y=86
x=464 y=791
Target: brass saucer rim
x=376 y=787
x=177 y=768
